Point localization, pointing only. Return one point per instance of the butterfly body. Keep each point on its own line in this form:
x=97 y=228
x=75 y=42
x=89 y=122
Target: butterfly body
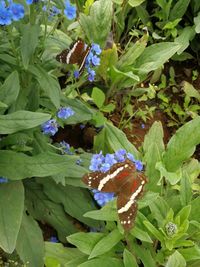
x=76 y=54
x=126 y=182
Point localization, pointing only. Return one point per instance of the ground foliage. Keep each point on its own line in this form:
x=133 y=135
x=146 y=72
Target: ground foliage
x=149 y=65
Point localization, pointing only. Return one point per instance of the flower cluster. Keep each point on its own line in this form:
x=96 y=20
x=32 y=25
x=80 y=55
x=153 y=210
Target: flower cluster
x=102 y=163
x=93 y=60
x=50 y=127
x=70 y=10
x=10 y=12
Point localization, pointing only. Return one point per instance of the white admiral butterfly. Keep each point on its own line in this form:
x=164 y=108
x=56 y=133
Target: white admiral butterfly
x=126 y=182
x=77 y=54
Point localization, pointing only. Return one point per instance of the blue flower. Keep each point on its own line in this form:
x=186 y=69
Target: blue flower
x=110 y=159
x=17 y=11
x=96 y=48
x=105 y=167
x=102 y=198
x=29 y=2
x=50 y=127
x=3 y=180
x=138 y=165
x=65 y=112
x=142 y=125
x=53 y=239
x=66 y=148
x=96 y=161
x=130 y=157
x=70 y=11
x=95 y=60
x=91 y=75
x=120 y=155
x=5 y=15
x=76 y=74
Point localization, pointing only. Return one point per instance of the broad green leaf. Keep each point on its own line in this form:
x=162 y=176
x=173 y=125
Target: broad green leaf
x=155 y=56
x=176 y=260
x=113 y=139
x=29 y=41
x=141 y=235
x=106 y=213
x=194 y=214
x=197 y=23
x=132 y=53
x=30 y=245
x=10 y=89
x=153 y=148
x=44 y=164
x=184 y=213
x=147 y=199
x=106 y=243
x=135 y=3
x=102 y=262
x=179 y=9
x=108 y=59
x=21 y=120
x=182 y=145
x=184 y=38
x=190 y=91
x=61 y=254
x=76 y=201
x=145 y=256
x=185 y=189
x=47 y=211
x=85 y=242
x=190 y=254
x=98 y=23
x=129 y=259
x=118 y=75
x=98 y=97
x=11 y=210
x=172 y=177
x=159 y=209
x=51 y=262
x=48 y=84
x=158 y=235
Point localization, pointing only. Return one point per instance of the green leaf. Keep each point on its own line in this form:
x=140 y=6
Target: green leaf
x=132 y=53
x=85 y=242
x=147 y=199
x=155 y=56
x=97 y=25
x=145 y=256
x=184 y=213
x=179 y=9
x=11 y=210
x=47 y=211
x=135 y=3
x=197 y=23
x=48 y=84
x=103 y=262
x=21 y=120
x=176 y=260
x=113 y=139
x=29 y=42
x=44 y=164
x=158 y=235
x=129 y=259
x=141 y=235
x=62 y=255
x=172 y=177
x=190 y=254
x=184 y=38
x=30 y=245
x=182 y=145
x=194 y=214
x=106 y=213
x=159 y=209
x=10 y=89
x=106 y=243
x=190 y=91
x=98 y=97
x=153 y=148
x=76 y=201
x=185 y=189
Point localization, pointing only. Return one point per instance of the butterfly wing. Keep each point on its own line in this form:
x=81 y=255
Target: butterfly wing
x=127 y=197
x=62 y=57
x=112 y=180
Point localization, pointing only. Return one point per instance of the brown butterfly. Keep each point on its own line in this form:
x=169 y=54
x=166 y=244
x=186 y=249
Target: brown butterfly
x=126 y=182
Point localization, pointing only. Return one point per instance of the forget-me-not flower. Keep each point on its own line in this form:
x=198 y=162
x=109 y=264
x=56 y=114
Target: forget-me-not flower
x=70 y=10
x=65 y=112
x=50 y=127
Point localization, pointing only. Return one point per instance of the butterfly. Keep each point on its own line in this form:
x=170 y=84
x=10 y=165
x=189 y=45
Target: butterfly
x=126 y=182
x=76 y=54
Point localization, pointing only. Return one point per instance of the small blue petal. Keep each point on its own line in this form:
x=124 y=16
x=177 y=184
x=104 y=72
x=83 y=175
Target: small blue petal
x=50 y=127
x=138 y=165
x=102 y=198
x=70 y=11
x=96 y=48
x=3 y=180
x=120 y=155
x=53 y=239
x=76 y=74
x=131 y=157
x=65 y=112
x=95 y=61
